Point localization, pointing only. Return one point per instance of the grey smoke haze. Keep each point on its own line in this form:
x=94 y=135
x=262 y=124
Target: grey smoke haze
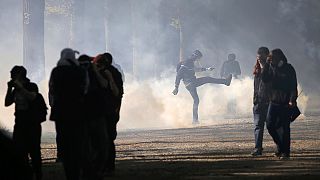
x=139 y=35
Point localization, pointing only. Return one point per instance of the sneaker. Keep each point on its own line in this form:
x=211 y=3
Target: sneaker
x=228 y=80
x=284 y=156
x=256 y=152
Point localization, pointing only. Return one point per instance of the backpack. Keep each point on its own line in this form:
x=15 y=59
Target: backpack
x=38 y=109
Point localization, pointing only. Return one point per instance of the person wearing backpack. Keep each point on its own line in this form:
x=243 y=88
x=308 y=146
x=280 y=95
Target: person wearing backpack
x=27 y=128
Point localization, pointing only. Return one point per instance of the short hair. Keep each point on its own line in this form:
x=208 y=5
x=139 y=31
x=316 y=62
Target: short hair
x=108 y=58
x=19 y=70
x=263 y=50
x=85 y=58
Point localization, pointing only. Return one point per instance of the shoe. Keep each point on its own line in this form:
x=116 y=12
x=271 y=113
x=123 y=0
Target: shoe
x=228 y=80
x=277 y=154
x=284 y=156
x=256 y=152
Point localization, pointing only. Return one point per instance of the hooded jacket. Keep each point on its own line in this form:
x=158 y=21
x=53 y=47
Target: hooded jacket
x=283 y=83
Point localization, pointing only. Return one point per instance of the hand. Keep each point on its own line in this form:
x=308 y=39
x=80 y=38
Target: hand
x=108 y=73
x=210 y=68
x=10 y=84
x=292 y=104
x=175 y=91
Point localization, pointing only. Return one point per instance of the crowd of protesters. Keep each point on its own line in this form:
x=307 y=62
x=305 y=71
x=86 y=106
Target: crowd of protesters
x=85 y=98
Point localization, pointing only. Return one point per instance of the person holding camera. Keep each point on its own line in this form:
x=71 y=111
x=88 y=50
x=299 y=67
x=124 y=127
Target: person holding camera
x=282 y=77
x=96 y=134
x=27 y=130
x=113 y=99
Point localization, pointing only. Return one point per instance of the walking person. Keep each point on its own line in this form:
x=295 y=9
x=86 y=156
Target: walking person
x=282 y=77
x=261 y=98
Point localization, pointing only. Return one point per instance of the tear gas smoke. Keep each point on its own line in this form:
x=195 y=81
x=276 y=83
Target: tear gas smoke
x=142 y=41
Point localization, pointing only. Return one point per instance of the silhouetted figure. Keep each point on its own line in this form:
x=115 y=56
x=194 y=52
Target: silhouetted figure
x=282 y=77
x=96 y=136
x=261 y=99
x=12 y=164
x=104 y=64
x=231 y=66
x=118 y=67
x=186 y=71
x=27 y=128
x=66 y=95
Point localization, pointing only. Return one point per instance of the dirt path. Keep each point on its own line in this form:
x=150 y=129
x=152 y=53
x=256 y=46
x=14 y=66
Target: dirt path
x=209 y=152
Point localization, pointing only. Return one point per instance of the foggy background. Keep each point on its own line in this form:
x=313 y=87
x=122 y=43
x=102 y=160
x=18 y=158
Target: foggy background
x=140 y=35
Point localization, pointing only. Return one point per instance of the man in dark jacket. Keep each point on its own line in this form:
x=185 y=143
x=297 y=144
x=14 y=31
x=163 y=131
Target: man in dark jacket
x=27 y=130
x=282 y=77
x=186 y=71
x=261 y=98
x=66 y=96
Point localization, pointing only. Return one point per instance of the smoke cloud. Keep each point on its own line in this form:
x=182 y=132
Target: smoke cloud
x=139 y=35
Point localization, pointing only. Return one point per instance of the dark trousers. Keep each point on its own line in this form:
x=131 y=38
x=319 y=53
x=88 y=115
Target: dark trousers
x=58 y=141
x=112 y=120
x=259 y=116
x=96 y=148
x=192 y=88
x=27 y=139
x=71 y=143
x=278 y=118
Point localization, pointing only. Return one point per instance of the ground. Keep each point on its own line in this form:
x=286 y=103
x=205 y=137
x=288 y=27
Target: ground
x=220 y=151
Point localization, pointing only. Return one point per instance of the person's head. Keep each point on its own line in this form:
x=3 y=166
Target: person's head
x=103 y=61
x=262 y=54
x=18 y=72
x=85 y=61
x=277 y=57
x=68 y=57
x=196 y=55
x=108 y=58
x=231 y=57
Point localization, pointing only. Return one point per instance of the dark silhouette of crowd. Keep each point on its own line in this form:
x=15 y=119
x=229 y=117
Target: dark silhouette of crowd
x=85 y=98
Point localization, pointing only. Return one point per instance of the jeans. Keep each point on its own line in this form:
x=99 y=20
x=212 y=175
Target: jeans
x=278 y=118
x=192 y=88
x=259 y=117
